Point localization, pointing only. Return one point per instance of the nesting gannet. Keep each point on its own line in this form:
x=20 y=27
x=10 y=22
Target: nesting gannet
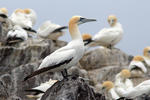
x=31 y=14
x=50 y=30
x=68 y=55
x=122 y=81
x=142 y=88
x=109 y=37
x=3 y=14
x=146 y=53
x=40 y=90
x=109 y=86
x=137 y=66
x=17 y=34
x=18 y=18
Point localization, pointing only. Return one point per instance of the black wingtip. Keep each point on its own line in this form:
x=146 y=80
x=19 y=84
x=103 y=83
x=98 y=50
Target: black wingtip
x=26 y=78
x=60 y=29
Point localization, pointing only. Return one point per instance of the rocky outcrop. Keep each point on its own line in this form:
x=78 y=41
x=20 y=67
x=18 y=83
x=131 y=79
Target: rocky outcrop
x=73 y=88
x=102 y=57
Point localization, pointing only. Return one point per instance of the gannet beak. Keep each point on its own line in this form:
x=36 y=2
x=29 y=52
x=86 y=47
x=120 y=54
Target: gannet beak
x=84 y=20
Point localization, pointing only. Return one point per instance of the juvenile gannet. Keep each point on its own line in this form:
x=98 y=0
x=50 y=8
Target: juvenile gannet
x=109 y=37
x=18 y=18
x=17 y=34
x=40 y=90
x=3 y=14
x=31 y=14
x=50 y=30
x=109 y=86
x=68 y=55
x=138 y=66
x=146 y=53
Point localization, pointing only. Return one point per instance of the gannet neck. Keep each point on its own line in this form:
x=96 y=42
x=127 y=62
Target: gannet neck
x=114 y=94
x=74 y=31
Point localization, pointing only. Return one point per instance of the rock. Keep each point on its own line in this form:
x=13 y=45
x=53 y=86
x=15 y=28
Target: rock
x=102 y=57
x=73 y=88
x=29 y=51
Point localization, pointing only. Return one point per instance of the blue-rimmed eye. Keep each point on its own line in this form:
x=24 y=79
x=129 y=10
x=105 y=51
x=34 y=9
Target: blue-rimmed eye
x=81 y=19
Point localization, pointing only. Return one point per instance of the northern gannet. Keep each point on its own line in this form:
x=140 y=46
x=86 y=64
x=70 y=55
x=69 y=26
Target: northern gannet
x=31 y=14
x=146 y=55
x=142 y=88
x=137 y=66
x=3 y=14
x=122 y=81
x=18 y=18
x=109 y=86
x=17 y=34
x=40 y=90
x=109 y=37
x=66 y=56
x=50 y=30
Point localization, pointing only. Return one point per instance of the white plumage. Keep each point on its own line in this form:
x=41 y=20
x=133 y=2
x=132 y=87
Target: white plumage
x=68 y=55
x=47 y=29
x=17 y=33
x=109 y=36
x=18 y=17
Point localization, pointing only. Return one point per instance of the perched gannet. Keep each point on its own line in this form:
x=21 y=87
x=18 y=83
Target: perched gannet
x=68 y=55
x=3 y=14
x=40 y=90
x=137 y=66
x=122 y=81
x=18 y=18
x=17 y=34
x=87 y=38
x=50 y=30
x=146 y=53
x=31 y=14
x=142 y=88
x=109 y=86
x=109 y=37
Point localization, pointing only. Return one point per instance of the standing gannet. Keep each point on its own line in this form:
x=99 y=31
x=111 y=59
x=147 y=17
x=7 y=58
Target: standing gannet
x=40 y=90
x=17 y=34
x=3 y=14
x=122 y=81
x=68 y=55
x=50 y=30
x=109 y=86
x=146 y=55
x=137 y=66
x=109 y=37
x=31 y=14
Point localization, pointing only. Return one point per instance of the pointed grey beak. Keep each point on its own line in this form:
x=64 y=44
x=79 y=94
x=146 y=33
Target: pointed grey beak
x=84 y=20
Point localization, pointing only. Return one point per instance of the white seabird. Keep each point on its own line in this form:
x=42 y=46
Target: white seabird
x=122 y=81
x=146 y=55
x=50 y=30
x=68 y=55
x=142 y=88
x=17 y=34
x=31 y=14
x=108 y=37
x=109 y=86
x=138 y=66
x=3 y=14
x=40 y=90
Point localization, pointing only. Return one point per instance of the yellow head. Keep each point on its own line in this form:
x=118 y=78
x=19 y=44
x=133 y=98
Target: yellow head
x=125 y=73
x=73 y=23
x=19 y=10
x=4 y=10
x=112 y=20
x=27 y=11
x=86 y=36
x=138 y=58
x=107 y=85
x=146 y=52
